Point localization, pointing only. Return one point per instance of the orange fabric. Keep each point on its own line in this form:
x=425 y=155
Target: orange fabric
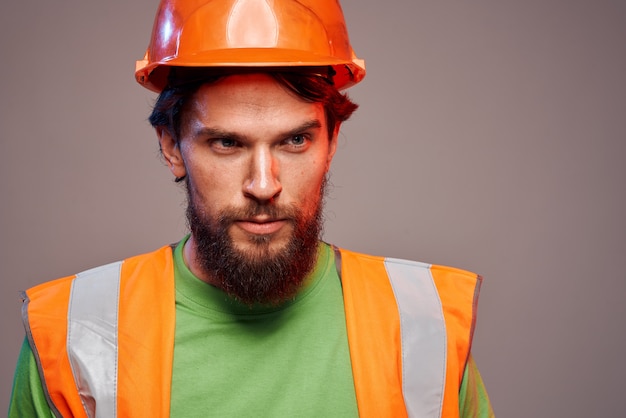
x=146 y=335
x=145 y=338
x=374 y=332
x=457 y=290
x=47 y=316
x=373 y=335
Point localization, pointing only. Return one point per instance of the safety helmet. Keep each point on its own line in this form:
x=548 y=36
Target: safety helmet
x=249 y=33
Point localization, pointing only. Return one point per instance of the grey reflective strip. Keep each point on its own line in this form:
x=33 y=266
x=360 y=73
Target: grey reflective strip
x=92 y=338
x=423 y=334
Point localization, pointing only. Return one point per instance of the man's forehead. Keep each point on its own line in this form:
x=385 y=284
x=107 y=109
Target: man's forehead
x=241 y=104
x=254 y=90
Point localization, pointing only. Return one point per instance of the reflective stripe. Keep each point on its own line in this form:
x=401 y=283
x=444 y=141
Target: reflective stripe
x=423 y=334
x=92 y=338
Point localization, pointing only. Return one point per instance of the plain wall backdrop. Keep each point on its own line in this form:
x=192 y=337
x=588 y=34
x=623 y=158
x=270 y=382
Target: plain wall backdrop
x=491 y=136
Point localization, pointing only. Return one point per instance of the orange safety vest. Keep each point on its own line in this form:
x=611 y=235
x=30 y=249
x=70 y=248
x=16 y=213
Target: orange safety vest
x=99 y=339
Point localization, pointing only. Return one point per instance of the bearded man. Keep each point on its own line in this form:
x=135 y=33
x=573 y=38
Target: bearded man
x=251 y=314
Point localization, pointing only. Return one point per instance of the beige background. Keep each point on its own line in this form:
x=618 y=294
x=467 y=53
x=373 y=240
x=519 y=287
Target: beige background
x=492 y=136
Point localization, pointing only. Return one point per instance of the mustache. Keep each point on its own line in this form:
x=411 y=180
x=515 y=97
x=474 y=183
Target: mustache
x=255 y=209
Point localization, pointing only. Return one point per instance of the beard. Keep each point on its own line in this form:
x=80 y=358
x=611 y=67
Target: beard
x=257 y=274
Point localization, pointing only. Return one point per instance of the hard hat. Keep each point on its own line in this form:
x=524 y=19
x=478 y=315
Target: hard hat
x=249 y=33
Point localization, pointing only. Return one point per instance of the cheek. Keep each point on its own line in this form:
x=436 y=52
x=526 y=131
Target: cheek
x=305 y=184
x=212 y=186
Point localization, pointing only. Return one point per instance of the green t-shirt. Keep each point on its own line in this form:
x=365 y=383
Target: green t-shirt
x=232 y=360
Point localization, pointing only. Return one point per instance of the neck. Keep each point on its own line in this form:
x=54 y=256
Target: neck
x=190 y=257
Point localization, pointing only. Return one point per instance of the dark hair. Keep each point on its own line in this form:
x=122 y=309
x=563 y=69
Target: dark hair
x=172 y=102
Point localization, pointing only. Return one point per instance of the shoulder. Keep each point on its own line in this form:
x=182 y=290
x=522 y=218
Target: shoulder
x=158 y=259
x=454 y=290
x=439 y=273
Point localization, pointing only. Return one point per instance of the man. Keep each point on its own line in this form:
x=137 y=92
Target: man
x=251 y=315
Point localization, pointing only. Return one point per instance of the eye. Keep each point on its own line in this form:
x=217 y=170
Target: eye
x=297 y=143
x=223 y=144
x=297 y=140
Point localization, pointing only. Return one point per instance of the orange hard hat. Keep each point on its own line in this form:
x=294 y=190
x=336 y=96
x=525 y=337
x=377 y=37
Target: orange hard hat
x=249 y=33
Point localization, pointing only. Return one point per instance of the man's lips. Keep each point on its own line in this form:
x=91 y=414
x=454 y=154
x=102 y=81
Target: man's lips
x=261 y=226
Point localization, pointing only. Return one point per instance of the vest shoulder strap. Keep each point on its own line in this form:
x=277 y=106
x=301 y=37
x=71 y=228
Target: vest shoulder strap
x=409 y=339
x=102 y=318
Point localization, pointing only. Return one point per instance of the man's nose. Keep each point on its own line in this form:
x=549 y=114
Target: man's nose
x=262 y=183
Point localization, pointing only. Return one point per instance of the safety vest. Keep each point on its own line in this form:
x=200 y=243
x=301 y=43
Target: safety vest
x=105 y=349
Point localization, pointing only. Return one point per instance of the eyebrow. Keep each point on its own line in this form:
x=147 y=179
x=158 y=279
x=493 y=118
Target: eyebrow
x=221 y=133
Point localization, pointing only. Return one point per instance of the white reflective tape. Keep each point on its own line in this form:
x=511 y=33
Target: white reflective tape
x=92 y=338
x=423 y=334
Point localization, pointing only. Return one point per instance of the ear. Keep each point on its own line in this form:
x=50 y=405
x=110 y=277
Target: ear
x=171 y=153
x=332 y=146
